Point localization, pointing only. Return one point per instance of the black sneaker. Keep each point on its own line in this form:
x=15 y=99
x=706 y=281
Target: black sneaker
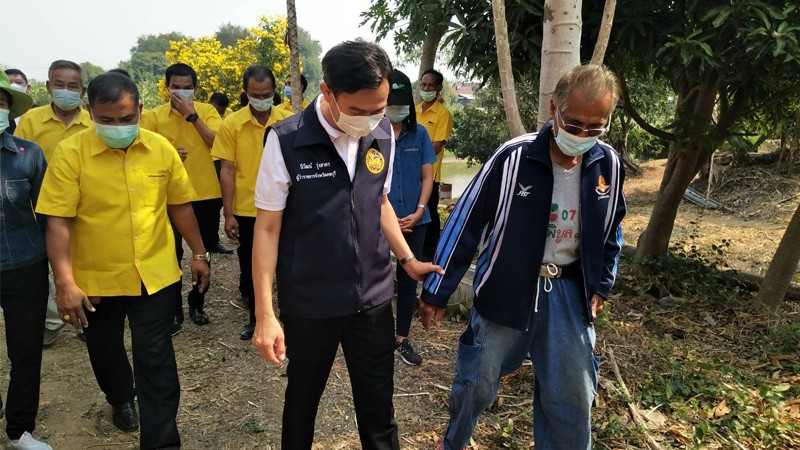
x=406 y=352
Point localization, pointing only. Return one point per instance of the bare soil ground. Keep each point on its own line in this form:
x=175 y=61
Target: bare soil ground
x=232 y=399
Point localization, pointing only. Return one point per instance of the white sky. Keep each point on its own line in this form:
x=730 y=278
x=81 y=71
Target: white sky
x=103 y=31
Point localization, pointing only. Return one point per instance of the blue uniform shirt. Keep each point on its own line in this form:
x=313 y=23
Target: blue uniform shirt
x=412 y=150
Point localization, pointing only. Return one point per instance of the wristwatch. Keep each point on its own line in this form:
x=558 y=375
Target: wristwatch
x=204 y=257
x=192 y=117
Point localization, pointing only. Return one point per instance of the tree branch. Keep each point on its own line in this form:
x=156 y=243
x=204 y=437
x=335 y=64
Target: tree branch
x=628 y=107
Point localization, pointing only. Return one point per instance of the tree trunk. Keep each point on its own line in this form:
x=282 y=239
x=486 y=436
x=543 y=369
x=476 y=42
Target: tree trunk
x=783 y=266
x=686 y=158
x=430 y=46
x=605 y=32
x=294 y=56
x=561 y=43
x=513 y=119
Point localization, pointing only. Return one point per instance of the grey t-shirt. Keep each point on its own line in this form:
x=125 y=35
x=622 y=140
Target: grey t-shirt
x=563 y=233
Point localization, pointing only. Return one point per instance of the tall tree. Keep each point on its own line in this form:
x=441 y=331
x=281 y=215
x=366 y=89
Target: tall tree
x=310 y=56
x=294 y=55
x=561 y=43
x=783 y=266
x=513 y=119
x=90 y=71
x=229 y=34
x=605 y=32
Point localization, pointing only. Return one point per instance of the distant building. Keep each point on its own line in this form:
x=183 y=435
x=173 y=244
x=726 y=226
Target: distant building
x=465 y=93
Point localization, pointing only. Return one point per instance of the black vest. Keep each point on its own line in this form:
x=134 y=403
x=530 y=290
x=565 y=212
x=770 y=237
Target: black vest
x=333 y=259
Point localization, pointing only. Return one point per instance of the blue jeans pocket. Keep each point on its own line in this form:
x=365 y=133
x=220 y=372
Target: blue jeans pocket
x=468 y=360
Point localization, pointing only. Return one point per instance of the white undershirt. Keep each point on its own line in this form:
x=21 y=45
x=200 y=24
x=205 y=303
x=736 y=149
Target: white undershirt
x=272 y=186
x=563 y=233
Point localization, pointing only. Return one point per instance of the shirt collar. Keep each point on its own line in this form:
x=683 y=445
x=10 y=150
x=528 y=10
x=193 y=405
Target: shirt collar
x=332 y=132
x=9 y=143
x=82 y=117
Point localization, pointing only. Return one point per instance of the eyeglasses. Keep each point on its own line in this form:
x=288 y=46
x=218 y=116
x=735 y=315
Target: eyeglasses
x=576 y=130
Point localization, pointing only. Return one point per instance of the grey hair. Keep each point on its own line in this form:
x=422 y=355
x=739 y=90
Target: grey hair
x=595 y=81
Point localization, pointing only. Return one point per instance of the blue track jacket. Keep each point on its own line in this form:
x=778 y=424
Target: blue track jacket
x=504 y=214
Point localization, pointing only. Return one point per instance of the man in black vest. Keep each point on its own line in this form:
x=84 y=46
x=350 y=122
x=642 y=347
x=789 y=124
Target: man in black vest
x=323 y=224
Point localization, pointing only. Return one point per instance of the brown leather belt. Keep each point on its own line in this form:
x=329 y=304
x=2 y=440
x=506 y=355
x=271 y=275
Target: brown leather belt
x=556 y=271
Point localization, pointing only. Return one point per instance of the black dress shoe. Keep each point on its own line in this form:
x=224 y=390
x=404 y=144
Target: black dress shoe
x=124 y=417
x=220 y=249
x=247 y=331
x=176 y=326
x=199 y=317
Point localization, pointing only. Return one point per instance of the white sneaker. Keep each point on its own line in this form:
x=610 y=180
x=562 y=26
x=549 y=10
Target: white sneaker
x=27 y=442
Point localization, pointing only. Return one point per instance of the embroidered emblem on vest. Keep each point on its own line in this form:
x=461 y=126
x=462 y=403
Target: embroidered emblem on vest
x=375 y=161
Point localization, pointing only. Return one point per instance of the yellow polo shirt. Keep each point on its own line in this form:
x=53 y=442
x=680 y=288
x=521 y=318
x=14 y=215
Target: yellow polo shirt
x=286 y=106
x=41 y=125
x=439 y=122
x=121 y=235
x=241 y=140
x=173 y=126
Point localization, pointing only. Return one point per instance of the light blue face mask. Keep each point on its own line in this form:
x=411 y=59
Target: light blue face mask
x=397 y=113
x=66 y=99
x=3 y=120
x=117 y=136
x=185 y=94
x=428 y=96
x=261 y=105
x=287 y=92
x=572 y=145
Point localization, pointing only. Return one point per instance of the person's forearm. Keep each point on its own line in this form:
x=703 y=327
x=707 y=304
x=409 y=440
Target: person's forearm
x=438 y=146
x=228 y=185
x=427 y=185
x=59 y=251
x=205 y=133
x=266 y=236
x=183 y=217
x=391 y=229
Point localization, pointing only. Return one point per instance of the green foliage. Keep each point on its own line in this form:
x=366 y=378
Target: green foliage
x=310 y=56
x=90 y=71
x=147 y=60
x=39 y=93
x=229 y=34
x=409 y=20
x=480 y=127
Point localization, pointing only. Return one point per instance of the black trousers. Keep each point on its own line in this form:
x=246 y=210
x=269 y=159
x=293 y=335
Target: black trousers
x=367 y=341
x=155 y=371
x=196 y=299
x=207 y=214
x=434 y=226
x=23 y=297
x=247 y=227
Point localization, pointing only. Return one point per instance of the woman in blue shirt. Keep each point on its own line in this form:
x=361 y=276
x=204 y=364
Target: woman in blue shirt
x=412 y=181
x=23 y=269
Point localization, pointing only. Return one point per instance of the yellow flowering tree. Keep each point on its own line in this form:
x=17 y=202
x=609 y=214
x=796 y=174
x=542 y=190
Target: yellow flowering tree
x=220 y=69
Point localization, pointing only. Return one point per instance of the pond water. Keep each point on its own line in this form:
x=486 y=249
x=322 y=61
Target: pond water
x=457 y=173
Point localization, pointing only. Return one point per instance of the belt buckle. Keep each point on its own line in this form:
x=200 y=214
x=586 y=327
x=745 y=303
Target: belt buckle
x=550 y=270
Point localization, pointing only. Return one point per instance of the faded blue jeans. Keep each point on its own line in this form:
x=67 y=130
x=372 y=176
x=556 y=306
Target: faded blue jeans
x=560 y=340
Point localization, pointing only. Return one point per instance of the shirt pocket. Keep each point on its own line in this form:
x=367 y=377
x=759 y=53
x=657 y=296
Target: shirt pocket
x=154 y=187
x=18 y=192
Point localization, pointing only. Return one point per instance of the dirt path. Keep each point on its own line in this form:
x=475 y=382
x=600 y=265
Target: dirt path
x=232 y=399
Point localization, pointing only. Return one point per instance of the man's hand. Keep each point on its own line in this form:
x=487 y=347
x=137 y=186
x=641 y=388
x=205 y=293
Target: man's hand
x=598 y=303
x=182 y=152
x=231 y=227
x=417 y=270
x=70 y=301
x=430 y=315
x=408 y=222
x=201 y=271
x=185 y=107
x=269 y=341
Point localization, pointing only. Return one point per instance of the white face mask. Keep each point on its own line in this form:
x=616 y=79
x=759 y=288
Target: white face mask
x=185 y=94
x=259 y=104
x=357 y=126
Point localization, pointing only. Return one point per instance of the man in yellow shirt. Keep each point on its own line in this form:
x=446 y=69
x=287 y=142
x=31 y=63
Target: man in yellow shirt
x=48 y=125
x=286 y=105
x=220 y=102
x=239 y=144
x=107 y=193
x=191 y=127
x=432 y=114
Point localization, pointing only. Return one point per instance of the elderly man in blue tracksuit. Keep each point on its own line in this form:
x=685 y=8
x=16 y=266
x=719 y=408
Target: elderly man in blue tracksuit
x=544 y=216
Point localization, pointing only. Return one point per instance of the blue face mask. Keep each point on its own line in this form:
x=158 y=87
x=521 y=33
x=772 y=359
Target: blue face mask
x=260 y=105
x=186 y=94
x=3 y=120
x=287 y=92
x=66 y=99
x=572 y=145
x=397 y=113
x=117 y=136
